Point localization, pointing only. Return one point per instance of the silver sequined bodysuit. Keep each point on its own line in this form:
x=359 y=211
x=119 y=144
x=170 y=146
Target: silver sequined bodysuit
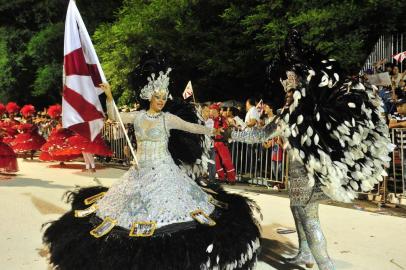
x=300 y=192
x=159 y=191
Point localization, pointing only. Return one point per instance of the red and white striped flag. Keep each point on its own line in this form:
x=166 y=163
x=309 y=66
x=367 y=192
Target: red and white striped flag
x=188 y=90
x=400 y=56
x=82 y=111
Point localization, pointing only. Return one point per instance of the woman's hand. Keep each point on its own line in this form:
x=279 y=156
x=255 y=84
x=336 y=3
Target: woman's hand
x=107 y=90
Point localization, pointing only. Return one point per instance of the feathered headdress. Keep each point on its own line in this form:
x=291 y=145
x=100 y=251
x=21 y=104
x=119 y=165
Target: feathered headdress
x=12 y=107
x=27 y=110
x=159 y=85
x=2 y=109
x=54 y=111
x=335 y=128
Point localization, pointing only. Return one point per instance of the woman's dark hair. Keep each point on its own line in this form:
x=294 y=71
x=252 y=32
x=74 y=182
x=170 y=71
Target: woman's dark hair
x=144 y=104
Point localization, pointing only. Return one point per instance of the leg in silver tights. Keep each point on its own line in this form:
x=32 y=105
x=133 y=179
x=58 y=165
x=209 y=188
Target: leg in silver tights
x=312 y=243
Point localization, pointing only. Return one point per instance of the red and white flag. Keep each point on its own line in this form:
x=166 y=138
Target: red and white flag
x=400 y=56
x=188 y=90
x=82 y=111
x=260 y=107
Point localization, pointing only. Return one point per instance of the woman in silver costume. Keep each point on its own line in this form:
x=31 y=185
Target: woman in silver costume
x=155 y=216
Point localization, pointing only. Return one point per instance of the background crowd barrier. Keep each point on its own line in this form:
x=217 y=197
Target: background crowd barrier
x=396 y=183
x=258 y=165
x=386 y=47
x=114 y=136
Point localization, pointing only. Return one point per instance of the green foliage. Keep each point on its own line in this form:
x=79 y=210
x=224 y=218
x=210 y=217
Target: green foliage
x=31 y=46
x=6 y=78
x=48 y=82
x=344 y=29
x=47 y=45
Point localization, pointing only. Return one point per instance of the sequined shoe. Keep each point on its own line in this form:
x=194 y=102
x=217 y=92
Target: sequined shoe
x=303 y=258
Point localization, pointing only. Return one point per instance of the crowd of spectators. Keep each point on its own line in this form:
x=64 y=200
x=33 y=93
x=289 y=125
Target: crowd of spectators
x=392 y=92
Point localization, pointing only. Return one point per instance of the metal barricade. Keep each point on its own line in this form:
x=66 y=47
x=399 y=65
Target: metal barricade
x=257 y=164
x=397 y=173
x=386 y=47
x=113 y=134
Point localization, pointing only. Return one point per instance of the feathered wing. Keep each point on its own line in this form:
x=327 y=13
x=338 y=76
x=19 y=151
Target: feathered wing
x=189 y=151
x=335 y=128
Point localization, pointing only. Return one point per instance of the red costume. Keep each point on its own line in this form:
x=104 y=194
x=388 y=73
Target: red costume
x=96 y=147
x=10 y=125
x=57 y=147
x=8 y=159
x=224 y=164
x=29 y=138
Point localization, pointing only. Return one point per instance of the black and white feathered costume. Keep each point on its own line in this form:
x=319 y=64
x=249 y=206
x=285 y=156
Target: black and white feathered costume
x=335 y=128
x=157 y=217
x=338 y=140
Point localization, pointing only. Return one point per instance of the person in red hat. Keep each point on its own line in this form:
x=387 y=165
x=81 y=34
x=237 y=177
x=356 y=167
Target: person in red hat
x=10 y=124
x=57 y=147
x=224 y=164
x=29 y=140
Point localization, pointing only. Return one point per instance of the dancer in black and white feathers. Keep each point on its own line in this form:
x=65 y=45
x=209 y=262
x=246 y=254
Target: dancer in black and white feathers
x=156 y=216
x=337 y=140
x=339 y=143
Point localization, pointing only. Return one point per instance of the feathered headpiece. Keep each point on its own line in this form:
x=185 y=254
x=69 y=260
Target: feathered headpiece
x=2 y=109
x=27 y=110
x=54 y=111
x=158 y=85
x=12 y=107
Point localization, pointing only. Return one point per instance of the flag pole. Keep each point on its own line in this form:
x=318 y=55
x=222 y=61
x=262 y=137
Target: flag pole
x=194 y=100
x=82 y=25
x=125 y=134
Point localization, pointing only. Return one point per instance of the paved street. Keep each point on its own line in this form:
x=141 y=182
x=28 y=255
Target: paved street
x=357 y=239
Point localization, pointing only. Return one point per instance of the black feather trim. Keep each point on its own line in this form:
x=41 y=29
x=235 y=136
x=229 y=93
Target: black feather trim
x=72 y=247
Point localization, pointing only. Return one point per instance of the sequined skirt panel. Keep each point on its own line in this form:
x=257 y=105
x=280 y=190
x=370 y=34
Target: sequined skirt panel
x=300 y=192
x=161 y=193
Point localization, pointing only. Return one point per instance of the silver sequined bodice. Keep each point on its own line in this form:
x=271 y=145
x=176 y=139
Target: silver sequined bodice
x=152 y=140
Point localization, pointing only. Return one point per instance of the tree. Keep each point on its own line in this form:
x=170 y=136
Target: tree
x=31 y=46
x=225 y=46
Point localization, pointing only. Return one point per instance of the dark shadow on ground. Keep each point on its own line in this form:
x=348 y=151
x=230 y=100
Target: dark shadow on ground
x=276 y=248
x=30 y=182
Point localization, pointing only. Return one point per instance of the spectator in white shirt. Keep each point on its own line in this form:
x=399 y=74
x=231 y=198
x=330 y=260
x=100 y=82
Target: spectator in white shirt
x=252 y=117
x=209 y=122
